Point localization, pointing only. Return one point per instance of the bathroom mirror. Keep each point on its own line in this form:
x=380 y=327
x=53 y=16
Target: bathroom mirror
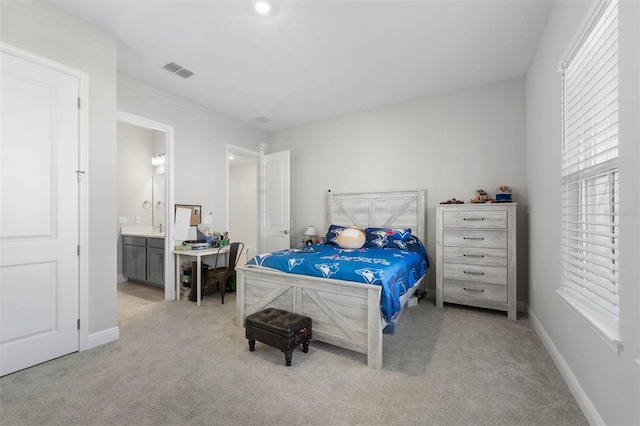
x=158 y=199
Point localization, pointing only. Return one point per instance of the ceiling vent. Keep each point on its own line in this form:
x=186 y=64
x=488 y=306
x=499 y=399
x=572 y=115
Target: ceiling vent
x=178 y=70
x=262 y=119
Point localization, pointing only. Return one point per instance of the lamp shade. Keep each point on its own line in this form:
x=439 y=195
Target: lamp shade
x=311 y=230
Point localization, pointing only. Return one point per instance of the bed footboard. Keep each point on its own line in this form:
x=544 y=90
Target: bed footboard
x=344 y=313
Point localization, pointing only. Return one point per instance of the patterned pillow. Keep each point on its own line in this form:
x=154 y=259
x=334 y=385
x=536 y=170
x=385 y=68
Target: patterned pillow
x=332 y=235
x=387 y=237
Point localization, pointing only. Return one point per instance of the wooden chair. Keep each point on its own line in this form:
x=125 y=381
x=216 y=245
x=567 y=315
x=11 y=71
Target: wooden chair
x=219 y=276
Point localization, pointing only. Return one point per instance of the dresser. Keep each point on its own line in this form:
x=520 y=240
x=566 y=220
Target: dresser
x=476 y=255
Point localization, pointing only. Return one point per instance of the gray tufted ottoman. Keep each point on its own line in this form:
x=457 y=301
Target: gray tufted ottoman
x=280 y=329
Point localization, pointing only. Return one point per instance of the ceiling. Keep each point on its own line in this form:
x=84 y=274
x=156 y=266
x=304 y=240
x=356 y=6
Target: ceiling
x=308 y=61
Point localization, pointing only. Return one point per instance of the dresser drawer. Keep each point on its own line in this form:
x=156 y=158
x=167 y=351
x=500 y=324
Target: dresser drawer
x=471 y=293
x=493 y=219
x=475 y=238
x=475 y=273
x=475 y=256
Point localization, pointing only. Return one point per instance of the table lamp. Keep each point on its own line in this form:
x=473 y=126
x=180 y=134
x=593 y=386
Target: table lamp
x=310 y=234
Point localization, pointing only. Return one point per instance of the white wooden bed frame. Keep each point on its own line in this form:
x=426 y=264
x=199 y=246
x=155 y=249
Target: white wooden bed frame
x=344 y=313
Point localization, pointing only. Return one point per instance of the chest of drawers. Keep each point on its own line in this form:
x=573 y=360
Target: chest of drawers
x=476 y=255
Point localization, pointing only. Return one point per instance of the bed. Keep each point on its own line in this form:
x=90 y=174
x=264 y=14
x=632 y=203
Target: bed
x=345 y=313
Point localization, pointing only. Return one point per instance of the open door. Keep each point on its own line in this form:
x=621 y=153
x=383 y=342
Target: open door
x=39 y=226
x=275 y=217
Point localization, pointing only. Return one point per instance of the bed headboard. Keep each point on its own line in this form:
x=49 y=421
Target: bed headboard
x=400 y=209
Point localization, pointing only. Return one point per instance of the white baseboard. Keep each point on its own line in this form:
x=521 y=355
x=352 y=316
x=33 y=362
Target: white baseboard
x=587 y=407
x=121 y=278
x=104 y=336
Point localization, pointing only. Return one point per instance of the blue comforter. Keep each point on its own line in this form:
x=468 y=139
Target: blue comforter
x=395 y=270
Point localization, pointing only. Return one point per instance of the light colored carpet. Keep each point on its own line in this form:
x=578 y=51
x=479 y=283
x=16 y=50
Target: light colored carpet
x=179 y=364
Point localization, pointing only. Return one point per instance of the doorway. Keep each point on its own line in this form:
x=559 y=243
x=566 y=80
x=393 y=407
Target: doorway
x=242 y=190
x=150 y=209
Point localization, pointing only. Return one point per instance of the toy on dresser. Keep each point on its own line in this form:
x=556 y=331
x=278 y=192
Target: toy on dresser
x=482 y=197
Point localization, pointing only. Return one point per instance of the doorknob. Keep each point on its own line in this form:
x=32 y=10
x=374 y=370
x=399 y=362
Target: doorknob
x=286 y=231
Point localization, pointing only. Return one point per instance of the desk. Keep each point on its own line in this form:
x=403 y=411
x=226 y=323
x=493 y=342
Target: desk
x=198 y=254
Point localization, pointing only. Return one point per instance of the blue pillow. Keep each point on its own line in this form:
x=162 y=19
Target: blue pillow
x=387 y=237
x=332 y=235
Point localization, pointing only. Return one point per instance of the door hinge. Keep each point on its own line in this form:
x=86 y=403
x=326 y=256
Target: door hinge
x=78 y=249
x=78 y=323
x=78 y=103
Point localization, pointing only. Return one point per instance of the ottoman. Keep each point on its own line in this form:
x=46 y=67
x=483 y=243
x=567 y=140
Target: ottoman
x=279 y=329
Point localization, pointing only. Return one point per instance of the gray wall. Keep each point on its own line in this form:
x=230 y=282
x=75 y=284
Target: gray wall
x=606 y=384
x=451 y=145
x=48 y=31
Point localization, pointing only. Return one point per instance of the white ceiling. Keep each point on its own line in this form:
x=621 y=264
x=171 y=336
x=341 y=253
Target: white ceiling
x=312 y=60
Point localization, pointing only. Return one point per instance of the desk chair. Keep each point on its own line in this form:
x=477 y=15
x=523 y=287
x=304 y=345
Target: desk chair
x=220 y=276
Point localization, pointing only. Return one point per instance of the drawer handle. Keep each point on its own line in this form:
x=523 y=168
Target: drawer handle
x=473 y=272
x=478 y=290
x=473 y=255
x=473 y=238
x=473 y=218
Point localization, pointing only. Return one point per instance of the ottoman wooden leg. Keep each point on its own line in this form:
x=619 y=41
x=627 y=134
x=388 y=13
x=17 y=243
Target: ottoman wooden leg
x=288 y=354
x=252 y=344
x=305 y=347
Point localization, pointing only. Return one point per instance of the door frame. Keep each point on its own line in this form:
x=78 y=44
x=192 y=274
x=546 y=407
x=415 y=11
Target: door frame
x=169 y=266
x=83 y=185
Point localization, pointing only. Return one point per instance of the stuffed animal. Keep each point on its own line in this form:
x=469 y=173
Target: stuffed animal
x=482 y=197
x=351 y=237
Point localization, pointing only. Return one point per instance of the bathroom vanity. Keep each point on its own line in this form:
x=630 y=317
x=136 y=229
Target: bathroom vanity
x=143 y=257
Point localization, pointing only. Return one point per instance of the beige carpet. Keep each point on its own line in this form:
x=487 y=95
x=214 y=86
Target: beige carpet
x=179 y=364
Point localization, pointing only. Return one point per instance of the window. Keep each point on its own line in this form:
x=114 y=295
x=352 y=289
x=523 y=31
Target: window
x=590 y=227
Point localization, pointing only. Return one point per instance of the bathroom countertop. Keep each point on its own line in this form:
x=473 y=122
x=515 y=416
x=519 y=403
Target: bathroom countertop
x=144 y=234
x=140 y=231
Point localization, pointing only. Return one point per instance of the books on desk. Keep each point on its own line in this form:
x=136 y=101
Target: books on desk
x=199 y=246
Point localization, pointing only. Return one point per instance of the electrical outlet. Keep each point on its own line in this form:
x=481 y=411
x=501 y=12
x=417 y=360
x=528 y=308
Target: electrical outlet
x=534 y=285
x=138 y=219
x=122 y=219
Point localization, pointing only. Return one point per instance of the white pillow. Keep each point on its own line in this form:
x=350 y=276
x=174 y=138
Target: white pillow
x=352 y=237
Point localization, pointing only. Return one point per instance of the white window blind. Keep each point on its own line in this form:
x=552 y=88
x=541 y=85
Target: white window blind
x=590 y=226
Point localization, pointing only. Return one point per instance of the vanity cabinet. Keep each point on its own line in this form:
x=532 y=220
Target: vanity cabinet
x=143 y=259
x=476 y=255
x=155 y=261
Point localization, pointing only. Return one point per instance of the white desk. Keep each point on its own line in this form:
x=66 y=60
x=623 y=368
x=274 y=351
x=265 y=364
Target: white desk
x=198 y=254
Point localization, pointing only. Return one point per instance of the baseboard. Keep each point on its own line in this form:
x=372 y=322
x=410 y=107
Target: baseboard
x=121 y=278
x=587 y=407
x=104 y=336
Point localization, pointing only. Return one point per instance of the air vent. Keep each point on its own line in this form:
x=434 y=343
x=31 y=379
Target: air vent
x=262 y=119
x=178 y=70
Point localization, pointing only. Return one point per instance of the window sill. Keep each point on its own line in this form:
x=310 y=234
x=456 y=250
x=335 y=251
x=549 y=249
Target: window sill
x=606 y=328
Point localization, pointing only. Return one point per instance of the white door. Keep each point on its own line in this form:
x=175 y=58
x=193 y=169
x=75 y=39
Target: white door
x=39 y=214
x=274 y=202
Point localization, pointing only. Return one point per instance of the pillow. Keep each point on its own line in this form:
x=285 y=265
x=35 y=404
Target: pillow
x=351 y=237
x=332 y=235
x=387 y=237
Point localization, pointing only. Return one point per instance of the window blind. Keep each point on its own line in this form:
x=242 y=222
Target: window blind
x=590 y=200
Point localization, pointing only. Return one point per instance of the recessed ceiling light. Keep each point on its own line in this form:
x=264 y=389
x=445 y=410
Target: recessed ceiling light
x=262 y=7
